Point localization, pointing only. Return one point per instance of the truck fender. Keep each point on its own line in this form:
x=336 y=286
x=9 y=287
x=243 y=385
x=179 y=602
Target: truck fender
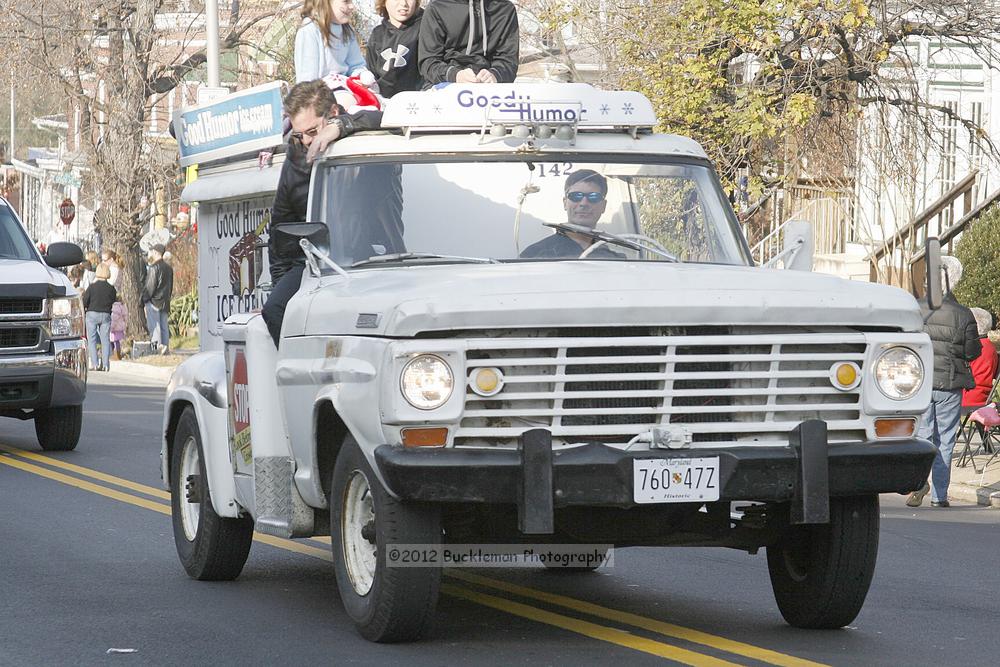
x=200 y=383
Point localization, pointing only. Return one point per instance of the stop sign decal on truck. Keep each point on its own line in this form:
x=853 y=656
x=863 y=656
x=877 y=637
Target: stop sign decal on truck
x=239 y=408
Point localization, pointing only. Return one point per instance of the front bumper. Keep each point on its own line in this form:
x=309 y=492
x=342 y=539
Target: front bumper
x=805 y=474
x=33 y=381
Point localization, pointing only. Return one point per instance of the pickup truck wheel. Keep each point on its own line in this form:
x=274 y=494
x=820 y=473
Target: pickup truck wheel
x=387 y=604
x=58 y=429
x=820 y=574
x=211 y=548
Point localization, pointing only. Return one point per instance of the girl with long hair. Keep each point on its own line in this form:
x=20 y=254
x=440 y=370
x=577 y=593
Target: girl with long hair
x=325 y=42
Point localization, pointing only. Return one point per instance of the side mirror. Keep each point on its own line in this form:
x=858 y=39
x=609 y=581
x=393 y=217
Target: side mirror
x=61 y=254
x=286 y=237
x=932 y=260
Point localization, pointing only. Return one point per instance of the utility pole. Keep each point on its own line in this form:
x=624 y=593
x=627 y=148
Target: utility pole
x=10 y=147
x=212 y=18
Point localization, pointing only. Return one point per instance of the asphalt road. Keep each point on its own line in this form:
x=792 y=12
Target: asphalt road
x=89 y=563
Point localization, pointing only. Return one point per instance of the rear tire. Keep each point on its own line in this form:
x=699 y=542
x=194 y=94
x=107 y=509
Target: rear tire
x=820 y=574
x=210 y=547
x=58 y=429
x=387 y=604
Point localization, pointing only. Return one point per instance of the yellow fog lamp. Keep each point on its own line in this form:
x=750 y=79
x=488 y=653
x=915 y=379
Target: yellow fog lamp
x=486 y=381
x=845 y=375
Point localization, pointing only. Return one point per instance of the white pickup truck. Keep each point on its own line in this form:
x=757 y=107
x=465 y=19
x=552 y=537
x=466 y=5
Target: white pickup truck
x=43 y=353
x=442 y=378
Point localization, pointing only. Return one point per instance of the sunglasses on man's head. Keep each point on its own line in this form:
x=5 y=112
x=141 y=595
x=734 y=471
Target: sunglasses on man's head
x=592 y=197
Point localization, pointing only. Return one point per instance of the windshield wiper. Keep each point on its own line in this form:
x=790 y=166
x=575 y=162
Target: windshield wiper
x=613 y=239
x=403 y=256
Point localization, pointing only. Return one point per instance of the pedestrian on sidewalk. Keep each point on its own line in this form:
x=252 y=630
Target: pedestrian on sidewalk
x=156 y=293
x=98 y=300
x=955 y=339
x=984 y=367
x=119 y=322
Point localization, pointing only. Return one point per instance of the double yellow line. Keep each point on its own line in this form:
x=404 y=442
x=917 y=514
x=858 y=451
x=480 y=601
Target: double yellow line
x=476 y=588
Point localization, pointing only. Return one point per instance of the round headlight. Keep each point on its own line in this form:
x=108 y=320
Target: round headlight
x=426 y=382
x=899 y=373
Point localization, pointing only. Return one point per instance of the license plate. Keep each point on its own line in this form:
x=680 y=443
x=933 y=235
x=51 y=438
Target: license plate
x=675 y=480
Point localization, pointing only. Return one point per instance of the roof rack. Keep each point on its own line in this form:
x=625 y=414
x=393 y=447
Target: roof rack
x=539 y=110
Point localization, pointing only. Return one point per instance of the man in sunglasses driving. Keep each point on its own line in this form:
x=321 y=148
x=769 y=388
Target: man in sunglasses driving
x=317 y=120
x=585 y=199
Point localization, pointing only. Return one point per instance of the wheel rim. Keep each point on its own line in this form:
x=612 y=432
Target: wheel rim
x=190 y=465
x=795 y=554
x=360 y=550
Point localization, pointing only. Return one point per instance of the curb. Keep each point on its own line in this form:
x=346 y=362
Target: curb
x=145 y=371
x=980 y=495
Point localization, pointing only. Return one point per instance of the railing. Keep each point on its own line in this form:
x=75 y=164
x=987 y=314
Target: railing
x=891 y=262
x=828 y=210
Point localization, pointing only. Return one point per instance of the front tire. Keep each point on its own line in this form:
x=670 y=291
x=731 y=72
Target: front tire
x=387 y=604
x=58 y=429
x=210 y=547
x=820 y=574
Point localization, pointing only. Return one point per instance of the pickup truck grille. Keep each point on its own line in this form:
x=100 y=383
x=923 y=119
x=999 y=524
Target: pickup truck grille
x=25 y=337
x=723 y=386
x=15 y=306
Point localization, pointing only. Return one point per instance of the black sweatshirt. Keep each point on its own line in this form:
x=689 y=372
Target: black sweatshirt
x=475 y=34
x=392 y=56
x=99 y=297
x=292 y=198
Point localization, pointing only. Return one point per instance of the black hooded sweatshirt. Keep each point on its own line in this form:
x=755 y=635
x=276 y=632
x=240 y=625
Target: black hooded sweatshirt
x=475 y=34
x=392 y=55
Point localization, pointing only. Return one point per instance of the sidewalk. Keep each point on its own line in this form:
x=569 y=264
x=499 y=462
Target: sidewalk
x=965 y=486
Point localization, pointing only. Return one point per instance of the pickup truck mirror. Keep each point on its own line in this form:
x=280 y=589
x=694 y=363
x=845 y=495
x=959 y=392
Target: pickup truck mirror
x=932 y=260
x=61 y=254
x=286 y=237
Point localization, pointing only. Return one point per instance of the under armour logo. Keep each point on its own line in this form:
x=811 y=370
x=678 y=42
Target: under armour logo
x=394 y=58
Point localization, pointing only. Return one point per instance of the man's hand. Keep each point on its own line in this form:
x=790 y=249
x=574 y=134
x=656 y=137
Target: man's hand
x=486 y=76
x=323 y=138
x=466 y=76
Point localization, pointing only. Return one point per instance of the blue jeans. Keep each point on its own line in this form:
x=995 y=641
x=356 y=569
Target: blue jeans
x=156 y=322
x=99 y=325
x=940 y=425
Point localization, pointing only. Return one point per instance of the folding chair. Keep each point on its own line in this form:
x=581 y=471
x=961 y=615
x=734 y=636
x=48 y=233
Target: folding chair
x=979 y=419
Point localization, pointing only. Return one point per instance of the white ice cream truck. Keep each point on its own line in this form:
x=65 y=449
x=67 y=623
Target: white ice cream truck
x=434 y=385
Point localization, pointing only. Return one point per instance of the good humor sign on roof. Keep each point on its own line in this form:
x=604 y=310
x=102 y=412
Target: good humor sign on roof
x=246 y=121
x=460 y=105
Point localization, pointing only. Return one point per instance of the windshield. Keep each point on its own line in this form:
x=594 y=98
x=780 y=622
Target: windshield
x=384 y=212
x=13 y=242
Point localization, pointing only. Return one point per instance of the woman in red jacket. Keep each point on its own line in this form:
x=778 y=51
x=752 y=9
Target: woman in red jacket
x=984 y=367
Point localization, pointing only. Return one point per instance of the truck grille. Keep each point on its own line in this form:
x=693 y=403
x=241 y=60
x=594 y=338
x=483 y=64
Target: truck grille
x=11 y=337
x=14 y=306
x=724 y=386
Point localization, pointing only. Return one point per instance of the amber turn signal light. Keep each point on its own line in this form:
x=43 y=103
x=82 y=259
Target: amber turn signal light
x=425 y=437
x=895 y=428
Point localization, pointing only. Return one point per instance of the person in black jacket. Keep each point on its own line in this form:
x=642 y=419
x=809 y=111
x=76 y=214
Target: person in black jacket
x=317 y=120
x=392 y=48
x=469 y=41
x=955 y=338
x=97 y=303
x=156 y=294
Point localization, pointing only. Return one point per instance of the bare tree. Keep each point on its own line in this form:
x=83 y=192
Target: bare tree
x=112 y=60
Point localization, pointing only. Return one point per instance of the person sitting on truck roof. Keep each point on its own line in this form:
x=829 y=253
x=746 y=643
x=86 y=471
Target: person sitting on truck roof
x=585 y=200
x=317 y=120
x=464 y=41
x=391 y=51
